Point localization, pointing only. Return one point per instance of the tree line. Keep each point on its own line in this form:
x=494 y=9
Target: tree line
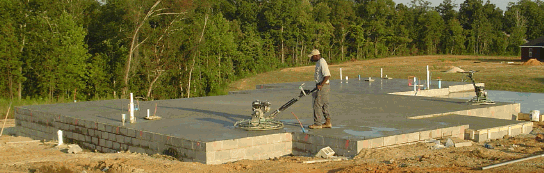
x=163 y=49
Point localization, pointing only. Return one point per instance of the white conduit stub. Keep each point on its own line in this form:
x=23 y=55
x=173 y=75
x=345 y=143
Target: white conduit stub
x=428 y=80
x=340 y=75
x=59 y=133
x=131 y=108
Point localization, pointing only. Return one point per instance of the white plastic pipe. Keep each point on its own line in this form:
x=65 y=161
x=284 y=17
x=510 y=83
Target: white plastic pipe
x=415 y=84
x=511 y=161
x=60 y=137
x=147 y=113
x=340 y=75
x=124 y=118
x=346 y=79
x=131 y=108
x=428 y=81
x=381 y=72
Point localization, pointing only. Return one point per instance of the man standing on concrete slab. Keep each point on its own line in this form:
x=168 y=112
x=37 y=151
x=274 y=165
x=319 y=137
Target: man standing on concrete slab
x=321 y=96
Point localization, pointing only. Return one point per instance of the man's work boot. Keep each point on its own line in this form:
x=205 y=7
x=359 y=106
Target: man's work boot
x=327 y=123
x=314 y=126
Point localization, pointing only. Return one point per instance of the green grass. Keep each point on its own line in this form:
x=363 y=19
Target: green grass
x=4 y=103
x=493 y=71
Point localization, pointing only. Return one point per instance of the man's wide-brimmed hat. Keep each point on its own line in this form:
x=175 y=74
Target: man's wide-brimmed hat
x=314 y=52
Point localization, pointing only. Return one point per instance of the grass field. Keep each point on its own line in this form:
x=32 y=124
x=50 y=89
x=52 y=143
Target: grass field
x=498 y=73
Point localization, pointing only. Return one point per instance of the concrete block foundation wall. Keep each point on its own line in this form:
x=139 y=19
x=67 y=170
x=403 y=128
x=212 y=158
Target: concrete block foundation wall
x=498 y=132
x=106 y=138
x=309 y=144
x=251 y=148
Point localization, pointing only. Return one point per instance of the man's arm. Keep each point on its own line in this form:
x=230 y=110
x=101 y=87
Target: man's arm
x=323 y=82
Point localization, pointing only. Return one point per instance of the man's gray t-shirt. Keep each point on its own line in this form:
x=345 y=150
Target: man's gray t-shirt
x=321 y=70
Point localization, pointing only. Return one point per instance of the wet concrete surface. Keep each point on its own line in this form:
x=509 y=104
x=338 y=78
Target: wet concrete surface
x=359 y=110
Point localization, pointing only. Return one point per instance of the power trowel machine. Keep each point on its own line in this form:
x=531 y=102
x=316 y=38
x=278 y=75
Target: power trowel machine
x=481 y=94
x=260 y=121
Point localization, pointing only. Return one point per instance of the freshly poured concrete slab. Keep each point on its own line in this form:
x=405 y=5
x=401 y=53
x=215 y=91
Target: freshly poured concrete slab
x=359 y=110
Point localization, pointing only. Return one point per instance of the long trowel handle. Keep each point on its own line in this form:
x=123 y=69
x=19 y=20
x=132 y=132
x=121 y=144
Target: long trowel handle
x=303 y=93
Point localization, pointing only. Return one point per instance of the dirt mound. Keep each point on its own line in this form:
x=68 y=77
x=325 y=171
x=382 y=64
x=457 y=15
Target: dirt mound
x=454 y=69
x=532 y=62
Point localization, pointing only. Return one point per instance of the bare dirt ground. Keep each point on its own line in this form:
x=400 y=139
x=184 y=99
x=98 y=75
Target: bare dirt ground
x=22 y=154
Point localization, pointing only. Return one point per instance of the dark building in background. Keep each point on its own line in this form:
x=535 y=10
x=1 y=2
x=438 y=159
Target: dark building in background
x=533 y=50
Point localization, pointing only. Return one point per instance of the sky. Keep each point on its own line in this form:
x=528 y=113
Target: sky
x=499 y=3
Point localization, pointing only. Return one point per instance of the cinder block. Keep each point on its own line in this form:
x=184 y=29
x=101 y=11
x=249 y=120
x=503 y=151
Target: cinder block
x=110 y=129
x=124 y=147
x=187 y=144
x=260 y=140
x=364 y=144
x=243 y=142
x=150 y=151
x=214 y=146
x=389 y=140
x=94 y=140
x=131 y=133
x=144 y=143
x=104 y=135
x=101 y=127
x=287 y=137
x=317 y=140
x=222 y=155
x=109 y=144
x=157 y=137
x=67 y=134
x=377 y=142
x=116 y=146
x=123 y=131
x=148 y=136
x=136 y=142
x=88 y=139
x=128 y=140
x=112 y=137
x=90 y=132
x=437 y=133
x=102 y=142
x=201 y=146
x=239 y=153
x=120 y=138
x=153 y=145
x=332 y=142
x=401 y=139
x=177 y=142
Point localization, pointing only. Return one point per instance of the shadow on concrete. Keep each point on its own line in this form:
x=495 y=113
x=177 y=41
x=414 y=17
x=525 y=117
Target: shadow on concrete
x=446 y=101
x=232 y=117
x=108 y=118
x=213 y=120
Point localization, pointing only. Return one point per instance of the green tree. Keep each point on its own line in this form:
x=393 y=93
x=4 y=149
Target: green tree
x=517 y=29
